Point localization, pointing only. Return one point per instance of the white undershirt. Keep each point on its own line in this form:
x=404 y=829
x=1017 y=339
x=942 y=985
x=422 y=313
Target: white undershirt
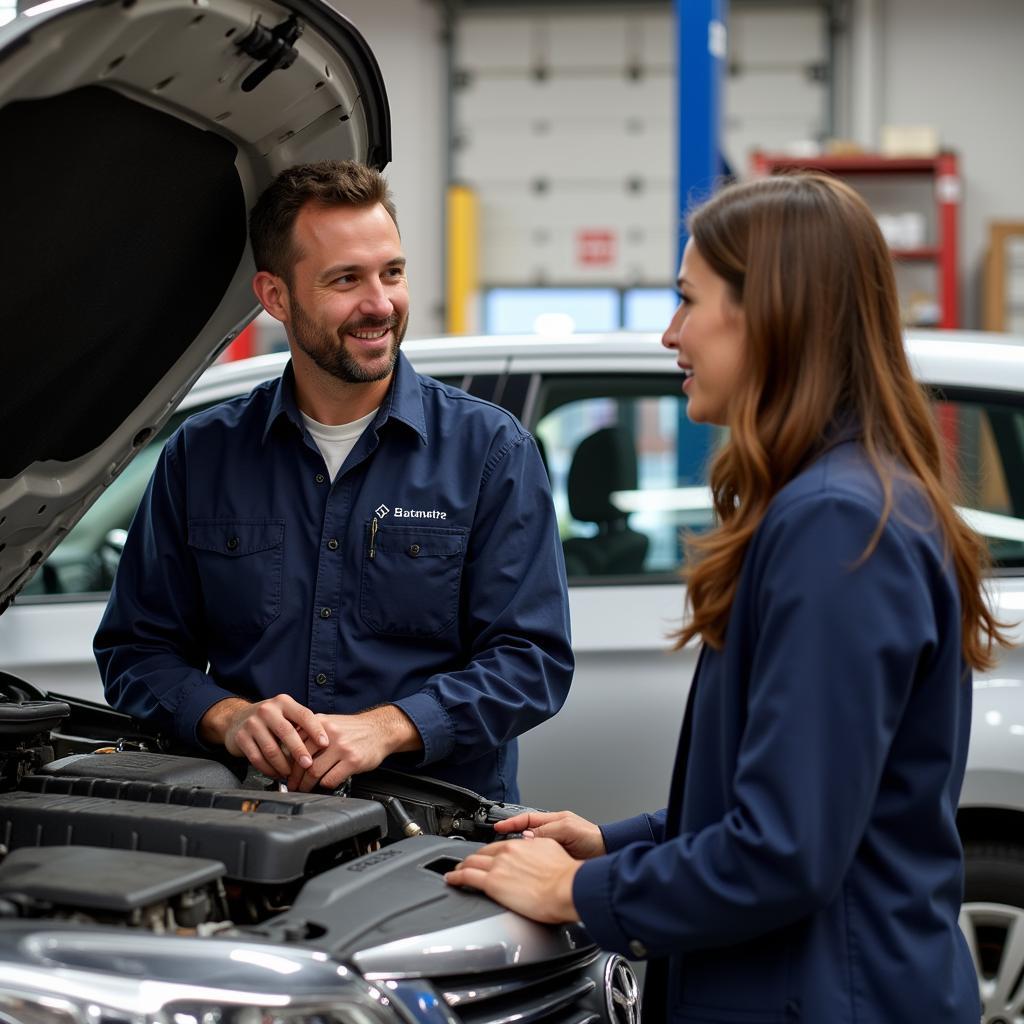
x=335 y=442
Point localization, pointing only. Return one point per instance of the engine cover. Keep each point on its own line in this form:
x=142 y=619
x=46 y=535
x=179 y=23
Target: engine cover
x=260 y=837
x=392 y=914
x=111 y=881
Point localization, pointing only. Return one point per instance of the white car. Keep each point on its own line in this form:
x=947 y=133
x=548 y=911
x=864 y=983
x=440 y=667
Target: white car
x=628 y=476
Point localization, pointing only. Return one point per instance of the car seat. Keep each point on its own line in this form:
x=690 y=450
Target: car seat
x=604 y=462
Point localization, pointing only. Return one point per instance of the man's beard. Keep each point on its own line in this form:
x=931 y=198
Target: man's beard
x=328 y=350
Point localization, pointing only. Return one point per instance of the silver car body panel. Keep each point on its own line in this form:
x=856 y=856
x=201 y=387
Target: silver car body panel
x=139 y=973
x=505 y=940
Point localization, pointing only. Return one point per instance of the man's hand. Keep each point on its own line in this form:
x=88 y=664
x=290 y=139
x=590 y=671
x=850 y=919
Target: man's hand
x=581 y=839
x=356 y=743
x=266 y=734
x=533 y=877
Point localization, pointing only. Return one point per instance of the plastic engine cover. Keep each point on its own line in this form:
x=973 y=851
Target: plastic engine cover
x=259 y=837
x=392 y=914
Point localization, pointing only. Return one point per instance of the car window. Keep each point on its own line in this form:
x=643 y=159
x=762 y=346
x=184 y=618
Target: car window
x=628 y=473
x=984 y=446
x=84 y=563
x=86 y=560
x=628 y=477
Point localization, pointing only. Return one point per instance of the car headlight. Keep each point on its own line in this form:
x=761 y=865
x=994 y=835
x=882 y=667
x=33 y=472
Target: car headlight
x=106 y=977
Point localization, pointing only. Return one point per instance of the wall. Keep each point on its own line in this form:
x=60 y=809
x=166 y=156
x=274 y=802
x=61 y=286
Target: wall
x=959 y=67
x=406 y=37
x=566 y=122
x=943 y=62
x=772 y=96
x=939 y=62
x=566 y=126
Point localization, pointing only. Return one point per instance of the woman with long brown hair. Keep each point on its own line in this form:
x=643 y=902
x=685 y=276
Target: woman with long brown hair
x=808 y=864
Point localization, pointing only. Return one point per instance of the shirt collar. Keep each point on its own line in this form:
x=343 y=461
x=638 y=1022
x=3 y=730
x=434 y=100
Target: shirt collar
x=403 y=402
x=283 y=403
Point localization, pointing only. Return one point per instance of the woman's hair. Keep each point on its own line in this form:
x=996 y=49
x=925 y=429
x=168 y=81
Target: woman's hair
x=803 y=257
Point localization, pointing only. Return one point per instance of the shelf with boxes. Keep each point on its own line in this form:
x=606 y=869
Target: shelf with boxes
x=917 y=202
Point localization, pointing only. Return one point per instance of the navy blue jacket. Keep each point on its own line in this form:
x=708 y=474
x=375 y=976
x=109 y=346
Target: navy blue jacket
x=429 y=575
x=808 y=866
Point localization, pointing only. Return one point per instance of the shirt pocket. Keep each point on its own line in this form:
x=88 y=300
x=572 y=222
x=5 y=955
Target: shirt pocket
x=239 y=562
x=410 y=580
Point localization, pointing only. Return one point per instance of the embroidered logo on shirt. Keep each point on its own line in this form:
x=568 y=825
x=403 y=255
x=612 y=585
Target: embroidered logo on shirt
x=409 y=513
x=419 y=513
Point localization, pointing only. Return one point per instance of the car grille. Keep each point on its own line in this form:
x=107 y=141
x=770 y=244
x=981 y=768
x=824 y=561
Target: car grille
x=564 y=991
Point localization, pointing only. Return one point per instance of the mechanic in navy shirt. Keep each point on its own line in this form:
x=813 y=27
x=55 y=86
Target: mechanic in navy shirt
x=353 y=564
x=807 y=866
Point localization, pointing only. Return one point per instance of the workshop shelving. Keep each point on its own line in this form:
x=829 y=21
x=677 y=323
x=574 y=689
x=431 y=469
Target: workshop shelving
x=894 y=186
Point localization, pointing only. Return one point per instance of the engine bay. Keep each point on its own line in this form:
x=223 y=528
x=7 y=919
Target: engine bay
x=100 y=823
x=138 y=863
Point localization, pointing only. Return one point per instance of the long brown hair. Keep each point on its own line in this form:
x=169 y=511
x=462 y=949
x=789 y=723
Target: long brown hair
x=804 y=258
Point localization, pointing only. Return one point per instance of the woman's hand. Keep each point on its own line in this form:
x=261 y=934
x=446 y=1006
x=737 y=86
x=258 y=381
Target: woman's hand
x=582 y=839
x=533 y=877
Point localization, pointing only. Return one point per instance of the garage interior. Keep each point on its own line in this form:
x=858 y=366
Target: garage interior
x=561 y=123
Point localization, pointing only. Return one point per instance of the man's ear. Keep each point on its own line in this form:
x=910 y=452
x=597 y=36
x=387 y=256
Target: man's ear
x=273 y=295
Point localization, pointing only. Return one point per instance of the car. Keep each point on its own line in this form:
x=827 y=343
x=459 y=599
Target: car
x=628 y=475
x=137 y=883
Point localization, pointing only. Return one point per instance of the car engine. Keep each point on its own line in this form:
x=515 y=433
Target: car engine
x=127 y=865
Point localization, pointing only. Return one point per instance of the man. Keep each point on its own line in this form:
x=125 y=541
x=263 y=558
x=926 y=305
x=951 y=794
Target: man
x=352 y=564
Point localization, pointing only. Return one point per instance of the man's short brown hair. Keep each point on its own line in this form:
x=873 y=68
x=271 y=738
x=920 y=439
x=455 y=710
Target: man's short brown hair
x=328 y=183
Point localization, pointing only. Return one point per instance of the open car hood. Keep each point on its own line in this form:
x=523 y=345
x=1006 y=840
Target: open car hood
x=138 y=134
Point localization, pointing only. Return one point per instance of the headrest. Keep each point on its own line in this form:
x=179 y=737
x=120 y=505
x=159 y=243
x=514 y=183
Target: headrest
x=604 y=462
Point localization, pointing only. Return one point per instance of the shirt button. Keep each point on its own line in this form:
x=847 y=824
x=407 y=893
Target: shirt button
x=414 y=550
x=321 y=678
x=320 y=478
x=232 y=543
x=325 y=613
x=637 y=949
x=333 y=544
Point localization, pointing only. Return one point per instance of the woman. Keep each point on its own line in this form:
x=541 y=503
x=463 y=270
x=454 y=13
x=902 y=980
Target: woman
x=808 y=865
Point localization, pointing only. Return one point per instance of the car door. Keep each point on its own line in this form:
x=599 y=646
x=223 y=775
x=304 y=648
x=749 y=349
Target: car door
x=628 y=478
x=609 y=753
x=983 y=433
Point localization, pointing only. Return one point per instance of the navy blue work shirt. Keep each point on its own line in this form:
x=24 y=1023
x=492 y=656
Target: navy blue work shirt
x=429 y=576
x=808 y=866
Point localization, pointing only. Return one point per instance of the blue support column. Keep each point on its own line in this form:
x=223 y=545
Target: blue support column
x=701 y=32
